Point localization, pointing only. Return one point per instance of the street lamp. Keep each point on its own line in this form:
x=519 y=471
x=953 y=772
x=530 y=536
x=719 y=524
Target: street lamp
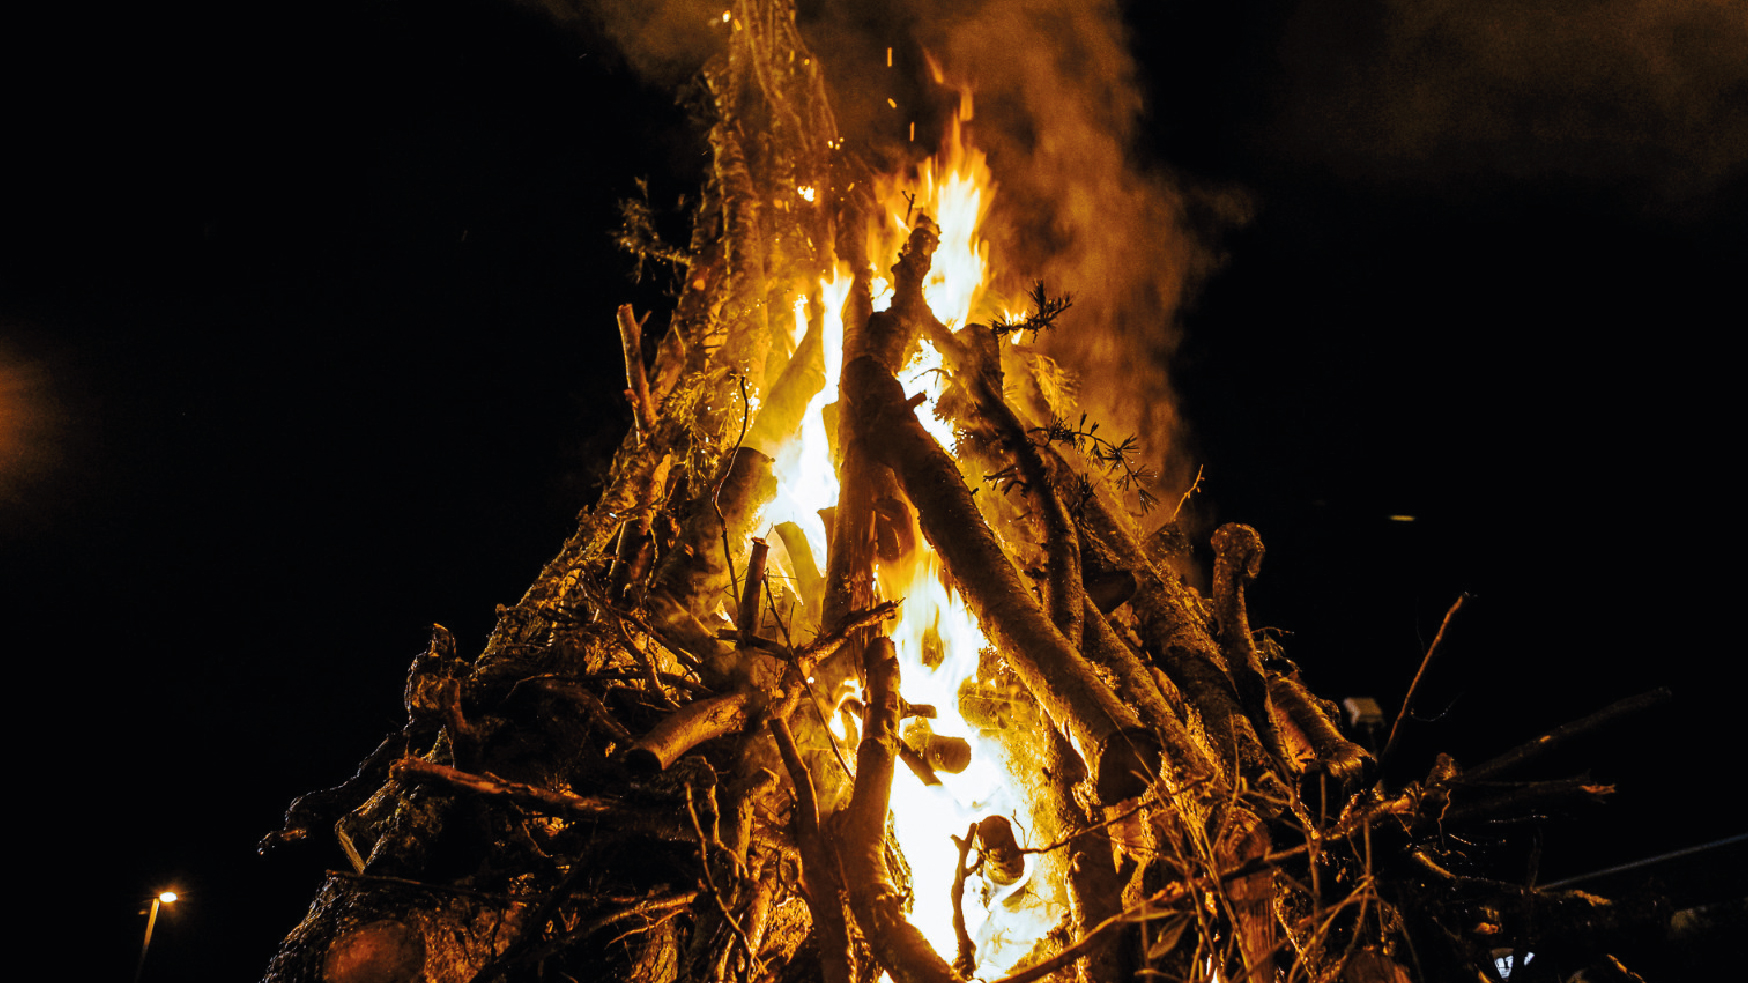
x=164 y=898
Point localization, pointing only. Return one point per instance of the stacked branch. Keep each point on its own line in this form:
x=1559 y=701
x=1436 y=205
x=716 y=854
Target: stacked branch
x=636 y=780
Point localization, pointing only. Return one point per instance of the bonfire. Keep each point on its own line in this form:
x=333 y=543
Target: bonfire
x=877 y=658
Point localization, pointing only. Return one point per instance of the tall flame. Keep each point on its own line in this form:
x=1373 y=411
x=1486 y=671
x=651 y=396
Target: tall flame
x=954 y=188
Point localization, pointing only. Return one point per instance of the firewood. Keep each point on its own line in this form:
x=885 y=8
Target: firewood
x=686 y=728
x=900 y=949
x=637 y=393
x=819 y=864
x=496 y=836
x=1309 y=734
x=1238 y=553
x=1173 y=624
x=1064 y=683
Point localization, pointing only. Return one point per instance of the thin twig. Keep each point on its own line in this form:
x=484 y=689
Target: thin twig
x=966 y=960
x=643 y=411
x=710 y=881
x=1432 y=650
x=466 y=892
x=1565 y=734
x=716 y=496
x=650 y=674
x=1185 y=499
x=487 y=784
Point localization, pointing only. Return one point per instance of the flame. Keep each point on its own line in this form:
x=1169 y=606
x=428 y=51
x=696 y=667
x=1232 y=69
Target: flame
x=806 y=480
x=925 y=817
x=954 y=188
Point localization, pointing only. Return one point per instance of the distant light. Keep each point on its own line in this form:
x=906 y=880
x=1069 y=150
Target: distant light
x=1504 y=963
x=167 y=897
x=725 y=15
x=1402 y=518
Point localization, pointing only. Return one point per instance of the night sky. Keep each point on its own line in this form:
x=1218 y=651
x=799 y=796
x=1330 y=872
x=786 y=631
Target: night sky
x=306 y=343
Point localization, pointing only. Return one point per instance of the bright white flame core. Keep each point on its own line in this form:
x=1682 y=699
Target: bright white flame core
x=806 y=480
x=924 y=818
x=1005 y=922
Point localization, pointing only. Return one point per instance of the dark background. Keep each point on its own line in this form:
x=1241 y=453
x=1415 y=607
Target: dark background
x=305 y=344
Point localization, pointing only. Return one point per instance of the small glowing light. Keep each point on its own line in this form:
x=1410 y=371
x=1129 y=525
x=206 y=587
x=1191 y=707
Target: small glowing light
x=1402 y=518
x=888 y=57
x=725 y=16
x=913 y=131
x=806 y=193
x=1504 y=964
x=889 y=102
x=167 y=897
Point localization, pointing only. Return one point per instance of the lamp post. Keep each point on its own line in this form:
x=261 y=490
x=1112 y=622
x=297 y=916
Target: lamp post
x=167 y=897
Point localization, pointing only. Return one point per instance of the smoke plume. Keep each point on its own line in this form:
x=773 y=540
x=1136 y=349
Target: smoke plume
x=1645 y=99
x=1057 y=103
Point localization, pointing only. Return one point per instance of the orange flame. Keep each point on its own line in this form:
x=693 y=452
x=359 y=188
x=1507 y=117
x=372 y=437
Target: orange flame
x=954 y=188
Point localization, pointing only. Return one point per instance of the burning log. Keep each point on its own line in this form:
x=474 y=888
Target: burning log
x=1058 y=676
x=897 y=945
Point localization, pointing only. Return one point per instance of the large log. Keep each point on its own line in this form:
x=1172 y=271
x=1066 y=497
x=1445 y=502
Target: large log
x=1124 y=756
x=898 y=946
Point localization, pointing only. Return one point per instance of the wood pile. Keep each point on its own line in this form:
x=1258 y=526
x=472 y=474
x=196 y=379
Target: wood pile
x=637 y=779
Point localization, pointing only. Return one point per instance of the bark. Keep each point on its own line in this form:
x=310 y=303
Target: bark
x=820 y=872
x=686 y=728
x=897 y=945
x=1173 y=624
x=1238 y=556
x=1104 y=728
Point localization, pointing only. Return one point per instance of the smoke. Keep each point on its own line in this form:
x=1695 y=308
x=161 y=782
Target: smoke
x=1645 y=99
x=1058 y=102
x=665 y=41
